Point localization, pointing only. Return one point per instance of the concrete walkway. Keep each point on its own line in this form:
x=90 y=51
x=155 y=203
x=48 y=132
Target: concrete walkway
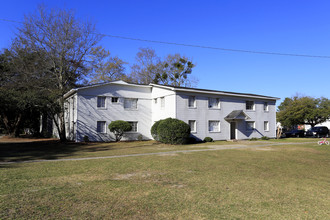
x=211 y=148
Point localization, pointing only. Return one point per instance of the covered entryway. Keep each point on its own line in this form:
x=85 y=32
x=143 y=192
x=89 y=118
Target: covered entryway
x=234 y=119
x=232 y=130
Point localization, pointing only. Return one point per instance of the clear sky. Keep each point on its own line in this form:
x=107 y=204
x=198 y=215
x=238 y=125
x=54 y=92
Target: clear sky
x=281 y=26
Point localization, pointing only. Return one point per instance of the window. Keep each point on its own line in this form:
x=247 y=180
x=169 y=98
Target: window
x=192 y=124
x=249 y=105
x=214 y=126
x=101 y=102
x=162 y=102
x=192 y=102
x=250 y=125
x=155 y=100
x=266 y=126
x=130 y=103
x=101 y=128
x=265 y=106
x=134 y=126
x=114 y=99
x=214 y=103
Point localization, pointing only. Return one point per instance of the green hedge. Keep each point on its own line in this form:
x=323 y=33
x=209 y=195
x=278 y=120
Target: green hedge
x=171 y=131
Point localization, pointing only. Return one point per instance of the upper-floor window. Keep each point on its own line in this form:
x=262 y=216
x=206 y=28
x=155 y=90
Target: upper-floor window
x=250 y=125
x=101 y=127
x=265 y=106
x=101 y=101
x=114 y=99
x=249 y=105
x=130 y=103
x=192 y=124
x=214 y=103
x=214 y=126
x=162 y=102
x=134 y=125
x=155 y=100
x=192 y=102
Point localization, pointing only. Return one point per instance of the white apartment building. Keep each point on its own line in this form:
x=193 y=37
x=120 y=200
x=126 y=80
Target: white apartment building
x=210 y=113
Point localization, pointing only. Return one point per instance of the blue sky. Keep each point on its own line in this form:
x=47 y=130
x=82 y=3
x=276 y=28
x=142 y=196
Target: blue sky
x=291 y=26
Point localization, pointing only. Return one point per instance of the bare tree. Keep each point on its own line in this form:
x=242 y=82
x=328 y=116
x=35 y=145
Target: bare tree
x=148 y=64
x=106 y=68
x=67 y=43
x=173 y=70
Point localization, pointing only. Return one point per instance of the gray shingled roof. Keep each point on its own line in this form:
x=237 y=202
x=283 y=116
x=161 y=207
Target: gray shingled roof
x=237 y=114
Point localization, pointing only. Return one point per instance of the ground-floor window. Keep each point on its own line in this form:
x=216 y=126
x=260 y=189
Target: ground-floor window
x=214 y=126
x=250 y=125
x=101 y=127
x=192 y=124
x=134 y=125
x=266 y=126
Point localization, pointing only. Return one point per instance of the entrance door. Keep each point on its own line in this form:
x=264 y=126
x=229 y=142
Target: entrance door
x=232 y=130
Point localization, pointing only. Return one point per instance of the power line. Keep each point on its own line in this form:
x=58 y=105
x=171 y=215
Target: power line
x=200 y=46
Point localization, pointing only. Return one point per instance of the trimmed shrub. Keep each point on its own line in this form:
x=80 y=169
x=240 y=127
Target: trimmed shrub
x=264 y=138
x=253 y=139
x=173 y=131
x=208 y=139
x=153 y=130
x=119 y=127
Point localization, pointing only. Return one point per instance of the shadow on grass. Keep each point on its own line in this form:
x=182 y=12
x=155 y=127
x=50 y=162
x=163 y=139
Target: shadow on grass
x=45 y=150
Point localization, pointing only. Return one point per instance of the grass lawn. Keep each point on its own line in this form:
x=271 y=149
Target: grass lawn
x=271 y=182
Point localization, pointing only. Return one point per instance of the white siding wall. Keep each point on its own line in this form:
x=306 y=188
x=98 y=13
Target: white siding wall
x=89 y=114
x=203 y=114
x=159 y=112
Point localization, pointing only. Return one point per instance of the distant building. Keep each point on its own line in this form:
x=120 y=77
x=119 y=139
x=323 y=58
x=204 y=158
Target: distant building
x=210 y=113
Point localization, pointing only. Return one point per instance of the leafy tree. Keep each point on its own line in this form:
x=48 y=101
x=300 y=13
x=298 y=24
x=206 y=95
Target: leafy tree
x=303 y=110
x=20 y=96
x=119 y=127
x=66 y=44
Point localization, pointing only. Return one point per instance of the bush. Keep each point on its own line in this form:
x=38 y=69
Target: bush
x=173 y=131
x=153 y=130
x=253 y=139
x=264 y=138
x=119 y=127
x=208 y=139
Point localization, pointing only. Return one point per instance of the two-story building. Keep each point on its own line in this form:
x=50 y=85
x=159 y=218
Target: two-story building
x=210 y=113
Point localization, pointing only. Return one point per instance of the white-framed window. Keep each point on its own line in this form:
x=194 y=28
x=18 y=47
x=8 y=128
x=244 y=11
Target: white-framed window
x=162 y=102
x=214 y=126
x=192 y=102
x=250 y=125
x=266 y=125
x=101 y=101
x=134 y=125
x=130 y=103
x=266 y=106
x=214 y=103
x=192 y=124
x=101 y=127
x=114 y=99
x=249 y=105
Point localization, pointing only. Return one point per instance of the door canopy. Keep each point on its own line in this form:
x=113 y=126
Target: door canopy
x=237 y=115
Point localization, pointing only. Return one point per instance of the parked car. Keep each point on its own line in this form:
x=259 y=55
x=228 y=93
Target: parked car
x=295 y=133
x=319 y=131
